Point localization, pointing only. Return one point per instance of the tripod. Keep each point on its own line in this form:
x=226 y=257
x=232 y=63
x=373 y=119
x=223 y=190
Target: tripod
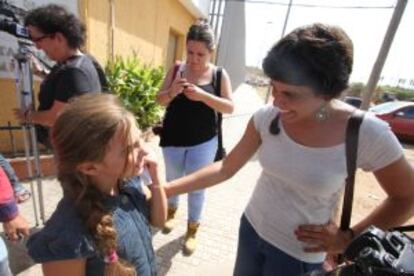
x=25 y=97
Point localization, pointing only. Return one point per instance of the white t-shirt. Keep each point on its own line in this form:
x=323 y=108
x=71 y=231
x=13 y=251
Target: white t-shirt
x=301 y=185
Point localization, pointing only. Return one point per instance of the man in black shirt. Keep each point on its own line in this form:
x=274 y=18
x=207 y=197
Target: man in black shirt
x=60 y=34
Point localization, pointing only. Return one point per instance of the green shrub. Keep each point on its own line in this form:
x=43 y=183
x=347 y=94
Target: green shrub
x=402 y=94
x=355 y=89
x=137 y=85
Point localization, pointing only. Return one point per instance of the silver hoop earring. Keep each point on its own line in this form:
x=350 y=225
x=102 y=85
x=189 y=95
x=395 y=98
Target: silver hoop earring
x=322 y=114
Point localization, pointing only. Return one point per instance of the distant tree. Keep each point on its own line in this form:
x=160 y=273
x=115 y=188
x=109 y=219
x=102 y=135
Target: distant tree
x=399 y=93
x=355 y=89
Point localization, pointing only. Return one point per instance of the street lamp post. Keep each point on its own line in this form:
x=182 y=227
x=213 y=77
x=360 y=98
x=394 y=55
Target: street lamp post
x=269 y=88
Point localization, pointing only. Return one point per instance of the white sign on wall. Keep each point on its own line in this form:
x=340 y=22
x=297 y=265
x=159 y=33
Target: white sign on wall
x=8 y=47
x=8 y=43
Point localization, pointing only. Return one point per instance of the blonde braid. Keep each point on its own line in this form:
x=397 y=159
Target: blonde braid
x=98 y=220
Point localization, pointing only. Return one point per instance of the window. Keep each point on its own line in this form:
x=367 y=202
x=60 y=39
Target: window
x=408 y=112
x=172 y=49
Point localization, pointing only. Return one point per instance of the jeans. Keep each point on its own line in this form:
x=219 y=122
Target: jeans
x=4 y=260
x=257 y=257
x=11 y=175
x=180 y=161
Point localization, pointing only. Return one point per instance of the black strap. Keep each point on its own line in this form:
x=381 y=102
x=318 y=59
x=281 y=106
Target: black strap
x=103 y=80
x=217 y=90
x=351 y=148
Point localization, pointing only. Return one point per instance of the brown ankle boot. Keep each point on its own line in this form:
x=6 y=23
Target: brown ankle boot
x=171 y=221
x=190 y=242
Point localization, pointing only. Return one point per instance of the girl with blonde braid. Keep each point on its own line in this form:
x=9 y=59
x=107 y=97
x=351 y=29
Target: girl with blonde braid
x=102 y=224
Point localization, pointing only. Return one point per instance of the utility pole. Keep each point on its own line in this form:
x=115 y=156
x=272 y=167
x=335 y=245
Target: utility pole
x=269 y=87
x=286 y=18
x=215 y=13
x=382 y=55
x=111 y=31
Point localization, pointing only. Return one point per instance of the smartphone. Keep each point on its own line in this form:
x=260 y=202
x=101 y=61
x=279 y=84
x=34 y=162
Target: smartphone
x=185 y=86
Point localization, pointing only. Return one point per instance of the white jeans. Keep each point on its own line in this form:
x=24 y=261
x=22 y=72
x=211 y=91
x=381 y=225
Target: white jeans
x=180 y=161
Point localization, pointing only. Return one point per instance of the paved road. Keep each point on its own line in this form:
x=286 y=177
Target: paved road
x=218 y=233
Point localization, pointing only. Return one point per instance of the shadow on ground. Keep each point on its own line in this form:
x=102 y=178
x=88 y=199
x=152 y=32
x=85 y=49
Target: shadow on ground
x=167 y=252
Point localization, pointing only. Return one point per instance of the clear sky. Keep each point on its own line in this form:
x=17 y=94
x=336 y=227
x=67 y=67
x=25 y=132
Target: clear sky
x=366 y=27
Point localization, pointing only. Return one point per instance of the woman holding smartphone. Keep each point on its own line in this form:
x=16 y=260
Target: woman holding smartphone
x=189 y=133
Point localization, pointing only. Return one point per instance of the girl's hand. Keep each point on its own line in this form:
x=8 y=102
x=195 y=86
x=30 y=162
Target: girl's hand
x=323 y=238
x=16 y=228
x=194 y=93
x=150 y=162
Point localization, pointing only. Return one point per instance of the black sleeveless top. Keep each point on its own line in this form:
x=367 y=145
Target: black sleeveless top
x=188 y=123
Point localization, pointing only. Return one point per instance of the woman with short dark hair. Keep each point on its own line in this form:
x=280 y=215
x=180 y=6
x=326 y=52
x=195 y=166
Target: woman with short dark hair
x=53 y=19
x=287 y=227
x=60 y=34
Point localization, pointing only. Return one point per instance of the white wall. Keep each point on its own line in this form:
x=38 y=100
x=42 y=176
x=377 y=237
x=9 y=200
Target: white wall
x=232 y=47
x=199 y=8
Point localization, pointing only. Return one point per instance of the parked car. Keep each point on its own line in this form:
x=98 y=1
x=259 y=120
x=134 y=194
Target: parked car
x=399 y=115
x=354 y=101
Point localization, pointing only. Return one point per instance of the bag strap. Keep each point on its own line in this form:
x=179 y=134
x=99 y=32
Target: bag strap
x=103 y=80
x=175 y=71
x=218 y=71
x=351 y=148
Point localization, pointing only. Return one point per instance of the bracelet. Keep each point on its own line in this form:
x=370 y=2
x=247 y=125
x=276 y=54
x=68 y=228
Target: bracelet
x=153 y=186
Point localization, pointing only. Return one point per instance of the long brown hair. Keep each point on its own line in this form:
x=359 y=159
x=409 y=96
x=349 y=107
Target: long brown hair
x=82 y=134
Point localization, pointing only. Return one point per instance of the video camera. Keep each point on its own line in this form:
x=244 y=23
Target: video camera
x=377 y=253
x=14 y=28
x=10 y=20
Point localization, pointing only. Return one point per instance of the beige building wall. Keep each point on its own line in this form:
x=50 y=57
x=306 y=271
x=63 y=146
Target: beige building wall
x=8 y=101
x=128 y=27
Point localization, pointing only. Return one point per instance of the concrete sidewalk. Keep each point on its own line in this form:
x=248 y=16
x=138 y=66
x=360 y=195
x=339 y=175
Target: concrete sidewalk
x=217 y=238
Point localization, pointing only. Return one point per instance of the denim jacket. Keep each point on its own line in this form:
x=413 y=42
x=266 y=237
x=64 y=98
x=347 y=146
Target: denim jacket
x=65 y=237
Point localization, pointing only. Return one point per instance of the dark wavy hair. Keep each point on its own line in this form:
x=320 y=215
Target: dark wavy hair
x=53 y=18
x=318 y=56
x=201 y=31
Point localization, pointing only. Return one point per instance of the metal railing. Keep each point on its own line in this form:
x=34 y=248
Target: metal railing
x=12 y=139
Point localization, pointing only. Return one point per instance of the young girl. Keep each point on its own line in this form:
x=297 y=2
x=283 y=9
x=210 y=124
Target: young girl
x=101 y=226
